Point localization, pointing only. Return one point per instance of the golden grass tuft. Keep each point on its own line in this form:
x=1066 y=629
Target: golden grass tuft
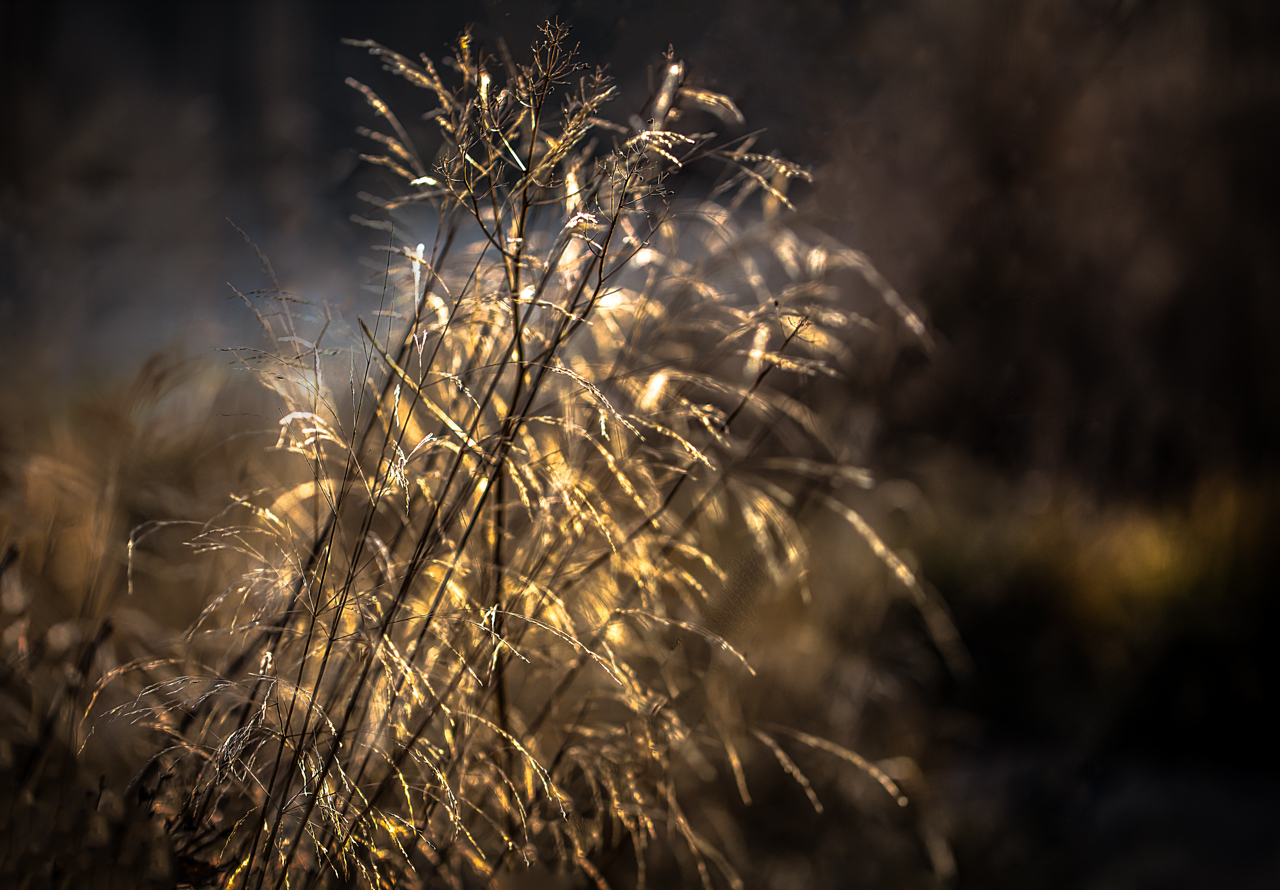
x=486 y=606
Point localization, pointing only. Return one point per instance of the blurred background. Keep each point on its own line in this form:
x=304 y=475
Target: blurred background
x=1080 y=196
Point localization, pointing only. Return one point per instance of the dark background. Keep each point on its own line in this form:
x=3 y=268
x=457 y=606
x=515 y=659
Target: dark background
x=1079 y=195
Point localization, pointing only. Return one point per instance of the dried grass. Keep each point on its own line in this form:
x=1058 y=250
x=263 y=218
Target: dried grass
x=486 y=606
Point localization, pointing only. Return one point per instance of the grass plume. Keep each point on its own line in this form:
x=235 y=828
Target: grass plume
x=489 y=599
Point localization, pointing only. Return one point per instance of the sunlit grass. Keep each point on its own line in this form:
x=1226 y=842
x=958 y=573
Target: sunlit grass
x=489 y=597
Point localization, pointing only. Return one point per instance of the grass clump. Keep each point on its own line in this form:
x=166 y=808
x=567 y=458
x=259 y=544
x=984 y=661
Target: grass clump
x=493 y=599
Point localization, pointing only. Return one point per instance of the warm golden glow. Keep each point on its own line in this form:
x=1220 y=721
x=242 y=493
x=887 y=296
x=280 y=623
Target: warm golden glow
x=481 y=604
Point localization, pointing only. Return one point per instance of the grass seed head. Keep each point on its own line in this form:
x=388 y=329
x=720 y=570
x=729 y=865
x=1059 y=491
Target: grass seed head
x=490 y=595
